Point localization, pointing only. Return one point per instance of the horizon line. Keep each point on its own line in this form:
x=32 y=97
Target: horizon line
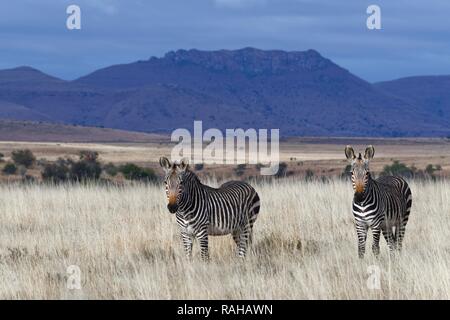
x=216 y=50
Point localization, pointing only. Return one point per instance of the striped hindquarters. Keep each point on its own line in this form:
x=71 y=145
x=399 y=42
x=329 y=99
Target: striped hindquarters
x=234 y=205
x=398 y=198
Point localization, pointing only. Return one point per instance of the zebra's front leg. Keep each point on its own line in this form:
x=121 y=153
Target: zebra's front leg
x=187 y=243
x=376 y=241
x=361 y=231
x=203 y=241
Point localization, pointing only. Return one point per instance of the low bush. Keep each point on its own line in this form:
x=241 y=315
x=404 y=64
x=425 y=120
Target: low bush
x=132 y=171
x=23 y=157
x=9 y=168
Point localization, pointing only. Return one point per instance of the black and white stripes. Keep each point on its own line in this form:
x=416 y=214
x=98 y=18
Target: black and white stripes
x=383 y=205
x=202 y=210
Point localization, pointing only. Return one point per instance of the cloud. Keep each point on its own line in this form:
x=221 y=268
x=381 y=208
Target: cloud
x=108 y=7
x=413 y=39
x=238 y=3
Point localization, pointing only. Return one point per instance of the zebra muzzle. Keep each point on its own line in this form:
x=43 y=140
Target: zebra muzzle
x=172 y=207
x=359 y=187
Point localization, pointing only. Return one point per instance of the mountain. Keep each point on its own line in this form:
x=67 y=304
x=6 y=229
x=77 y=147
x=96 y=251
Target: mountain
x=430 y=93
x=26 y=76
x=301 y=93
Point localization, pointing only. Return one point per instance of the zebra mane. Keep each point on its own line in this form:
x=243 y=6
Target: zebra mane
x=191 y=175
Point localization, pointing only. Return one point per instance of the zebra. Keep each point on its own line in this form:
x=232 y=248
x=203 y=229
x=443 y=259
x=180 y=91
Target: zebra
x=203 y=211
x=382 y=204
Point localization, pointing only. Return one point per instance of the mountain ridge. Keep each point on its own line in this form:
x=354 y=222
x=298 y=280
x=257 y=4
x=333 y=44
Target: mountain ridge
x=300 y=92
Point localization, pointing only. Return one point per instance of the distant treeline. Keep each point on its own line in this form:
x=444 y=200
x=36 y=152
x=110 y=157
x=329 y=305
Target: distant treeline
x=398 y=168
x=88 y=167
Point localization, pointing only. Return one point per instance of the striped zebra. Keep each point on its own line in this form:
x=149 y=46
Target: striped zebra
x=202 y=210
x=381 y=204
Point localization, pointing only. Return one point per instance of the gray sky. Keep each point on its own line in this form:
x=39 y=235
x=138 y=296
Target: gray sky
x=414 y=40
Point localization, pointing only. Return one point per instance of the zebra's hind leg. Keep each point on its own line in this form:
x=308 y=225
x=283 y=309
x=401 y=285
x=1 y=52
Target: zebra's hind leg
x=203 y=241
x=237 y=239
x=400 y=236
x=389 y=237
x=187 y=243
x=376 y=232
x=404 y=220
x=245 y=238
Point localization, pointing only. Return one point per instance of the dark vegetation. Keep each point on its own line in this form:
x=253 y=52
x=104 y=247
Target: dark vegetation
x=23 y=157
x=86 y=168
x=9 y=168
x=134 y=172
x=398 y=168
x=240 y=169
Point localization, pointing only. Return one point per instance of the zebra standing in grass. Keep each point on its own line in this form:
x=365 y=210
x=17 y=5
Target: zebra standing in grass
x=202 y=210
x=383 y=204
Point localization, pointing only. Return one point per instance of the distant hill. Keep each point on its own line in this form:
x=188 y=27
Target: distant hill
x=302 y=93
x=26 y=76
x=50 y=132
x=430 y=93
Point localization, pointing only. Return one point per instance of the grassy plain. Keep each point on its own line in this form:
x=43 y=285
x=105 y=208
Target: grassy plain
x=127 y=246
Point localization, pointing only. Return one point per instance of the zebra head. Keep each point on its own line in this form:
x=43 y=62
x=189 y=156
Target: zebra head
x=360 y=168
x=173 y=181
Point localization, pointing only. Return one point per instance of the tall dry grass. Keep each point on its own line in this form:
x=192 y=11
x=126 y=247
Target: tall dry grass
x=127 y=246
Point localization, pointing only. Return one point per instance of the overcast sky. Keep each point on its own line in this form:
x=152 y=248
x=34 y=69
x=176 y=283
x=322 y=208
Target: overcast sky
x=414 y=40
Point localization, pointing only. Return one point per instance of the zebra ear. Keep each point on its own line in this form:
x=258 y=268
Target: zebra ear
x=164 y=163
x=184 y=164
x=369 y=153
x=350 y=153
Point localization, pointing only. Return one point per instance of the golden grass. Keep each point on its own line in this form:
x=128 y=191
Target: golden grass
x=127 y=246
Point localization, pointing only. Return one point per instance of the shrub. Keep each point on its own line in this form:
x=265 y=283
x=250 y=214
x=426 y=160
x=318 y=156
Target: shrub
x=282 y=169
x=399 y=169
x=89 y=156
x=240 y=169
x=133 y=172
x=430 y=169
x=23 y=157
x=111 y=169
x=199 y=166
x=309 y=175
x=56 y=172
x=10 y=168
x=85 y=170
